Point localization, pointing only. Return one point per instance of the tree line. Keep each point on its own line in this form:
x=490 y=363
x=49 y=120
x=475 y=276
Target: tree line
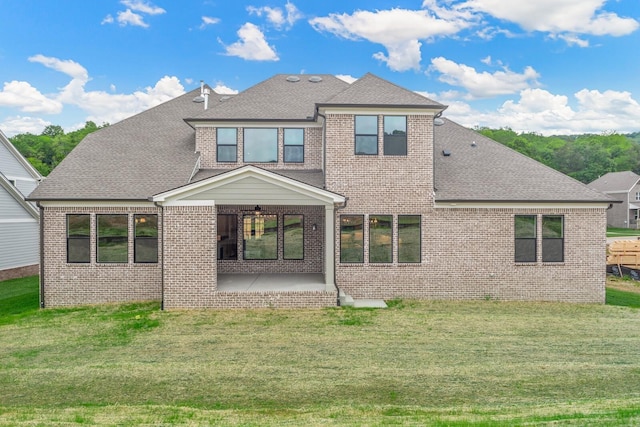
x=583 y=157
x=46 y=151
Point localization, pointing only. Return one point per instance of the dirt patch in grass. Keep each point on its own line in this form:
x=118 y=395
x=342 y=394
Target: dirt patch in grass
x=623 y=284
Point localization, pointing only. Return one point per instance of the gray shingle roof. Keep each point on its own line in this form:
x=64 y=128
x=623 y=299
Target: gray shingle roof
x=133 y=159
x=372 y=90
x=275 y=99
x=616 y=181
x=153 y=152
x=492 y=172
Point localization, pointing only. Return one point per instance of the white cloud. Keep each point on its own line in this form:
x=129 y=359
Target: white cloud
x=276 y=16
x=130 y=18
x=207 y=20
x=144 y=7
x=100 y=106
x=224 y=90
x=537 y=110
x=483 y=84
x=22 y=95
x=252 y=45
x=398 y=30
x=347 y=78
x=23 y=124
x=557 y=16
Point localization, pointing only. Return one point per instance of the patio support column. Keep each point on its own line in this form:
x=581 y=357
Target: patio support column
x=329 y=247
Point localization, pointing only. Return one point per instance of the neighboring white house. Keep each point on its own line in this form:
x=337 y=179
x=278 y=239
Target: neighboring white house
x=19 y=219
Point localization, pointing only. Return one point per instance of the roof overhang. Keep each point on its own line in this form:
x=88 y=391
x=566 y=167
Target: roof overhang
x=248 y=185
x=525 y=204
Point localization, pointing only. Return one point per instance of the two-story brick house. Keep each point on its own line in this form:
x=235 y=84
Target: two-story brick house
x=322 y=186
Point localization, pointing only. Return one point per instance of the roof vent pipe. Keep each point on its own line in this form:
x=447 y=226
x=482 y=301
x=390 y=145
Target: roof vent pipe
x=206 y=98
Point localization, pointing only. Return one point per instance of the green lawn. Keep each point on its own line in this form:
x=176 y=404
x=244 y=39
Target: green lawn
x=622 y=232
x=416 y=363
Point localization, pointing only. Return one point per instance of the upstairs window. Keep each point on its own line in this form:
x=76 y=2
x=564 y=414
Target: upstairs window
x=227 y=144
x=366 y=137
x=294 y=145
x=145 y=244
x=395 y=135
x=261 y=145
x=638 y=196
x=78 y=238
x=552 y=238
x=113 y=234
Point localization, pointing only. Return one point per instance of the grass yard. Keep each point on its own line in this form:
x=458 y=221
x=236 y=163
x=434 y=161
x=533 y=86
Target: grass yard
x=416 y=363
x=622 y=232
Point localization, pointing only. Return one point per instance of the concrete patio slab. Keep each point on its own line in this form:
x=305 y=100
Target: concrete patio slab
x=369 y=303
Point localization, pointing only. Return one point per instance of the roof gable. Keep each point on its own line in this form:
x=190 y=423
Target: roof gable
x=249 y=184
x=371 y=90
x=616 y=182
x=281 y=97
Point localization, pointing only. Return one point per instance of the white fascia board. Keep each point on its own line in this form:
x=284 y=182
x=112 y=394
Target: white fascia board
x=521 y=205
x=391 y=111
x=95 y=204
x=188 y=203
x=324 y=196
x=17 y=195
x=256 y=124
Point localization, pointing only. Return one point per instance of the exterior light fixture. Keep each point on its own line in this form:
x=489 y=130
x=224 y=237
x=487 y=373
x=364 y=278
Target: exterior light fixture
x=257 y=210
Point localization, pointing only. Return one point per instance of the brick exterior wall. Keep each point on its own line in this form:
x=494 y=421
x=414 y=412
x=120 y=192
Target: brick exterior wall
x=206 y=145
x=313 y=261
x=466 y=253
x=190 y=256
x=77 y=284
x=469 y=254
x=18 y=272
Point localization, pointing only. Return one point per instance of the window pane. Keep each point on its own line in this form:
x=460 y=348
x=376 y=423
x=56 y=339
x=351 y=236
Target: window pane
x=294 y=153
x=409 y=238
x=227 y=136
x=260 y=236
x=261 y=145
x=552 y=227
x=113 y=238
x=525 y=250
x=227 y=153
x=552 y=238
x=294 y=137
x=145 y=248
x=525 y=226
x=78 y=238
x=395 y=135
x=366 y=144
x=366 y=125
x=351 y=238
x=380 y=238
x=293 y=237
x=552 y=250
x=227 y=236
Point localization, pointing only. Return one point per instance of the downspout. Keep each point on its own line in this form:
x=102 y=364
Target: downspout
x=324 y=148
x=335 y=270
x=41 y=254
x=161 y=255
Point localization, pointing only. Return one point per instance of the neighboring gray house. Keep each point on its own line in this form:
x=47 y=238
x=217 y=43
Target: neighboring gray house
x=625 y=187
x=305 y=190
x=19 y=229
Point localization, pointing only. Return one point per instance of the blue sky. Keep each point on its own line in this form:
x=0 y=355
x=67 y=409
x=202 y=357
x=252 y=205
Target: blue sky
x=547 y=66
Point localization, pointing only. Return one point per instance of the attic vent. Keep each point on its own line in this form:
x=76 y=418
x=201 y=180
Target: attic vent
x=446 y=153
x=199 y=99
x=315 y=79
x=224 y=98
x=293 y=79
x=438 y=121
